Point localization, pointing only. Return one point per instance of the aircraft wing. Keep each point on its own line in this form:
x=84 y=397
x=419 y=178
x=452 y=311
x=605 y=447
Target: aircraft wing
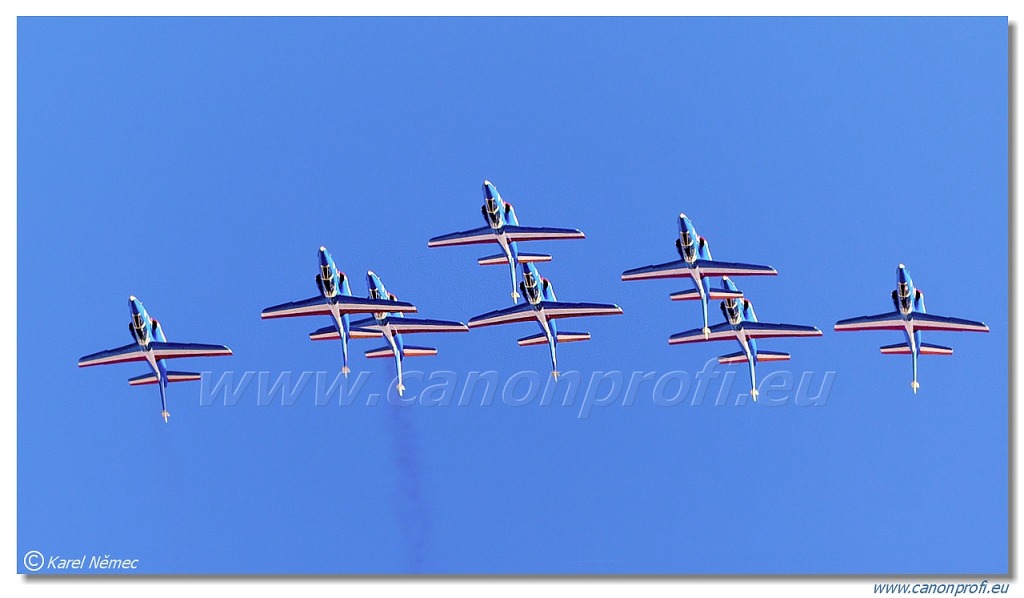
x=523 y=312
x=318 y=306
x=540 y=233
x=892 y=320
x=718 y=332
x=414 y=325
x=924 y=321
x=673 y=269
x=484 y=234
x=567 y=309
x=176 y=350
x=682 y=269
x=132 y=352
x=766 y=330
x=717 y=268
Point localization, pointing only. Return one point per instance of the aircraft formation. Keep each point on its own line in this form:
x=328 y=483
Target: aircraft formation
x=383 y=316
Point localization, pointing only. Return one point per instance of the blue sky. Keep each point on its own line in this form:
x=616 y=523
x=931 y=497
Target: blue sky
x=199 y=164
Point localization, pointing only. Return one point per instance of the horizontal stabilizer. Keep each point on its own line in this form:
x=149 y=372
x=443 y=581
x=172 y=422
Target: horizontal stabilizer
x=723 y=293
x=741 y=357
x=738 y=357
x=407 y=351
x=563 y=337
x=926 y=349
x=143 y=379
x=524 y=258
x=772 y=356
x=171 y=377
x=715 y=294
x=327 y=333
x=691 y=295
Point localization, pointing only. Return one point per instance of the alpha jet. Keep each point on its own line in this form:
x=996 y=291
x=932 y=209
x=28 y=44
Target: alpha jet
x=910 y=317
x=335 y=300
x=697 y=264
x=503 y=228
x=741 y=324
x=150 y=345
x=392 y=325
x=542 y=305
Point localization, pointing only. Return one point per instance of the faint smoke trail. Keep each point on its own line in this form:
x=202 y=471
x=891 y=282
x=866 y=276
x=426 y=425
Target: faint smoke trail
x=413 y=518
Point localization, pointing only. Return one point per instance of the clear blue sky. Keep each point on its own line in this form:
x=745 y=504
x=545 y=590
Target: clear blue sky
x=199 y=164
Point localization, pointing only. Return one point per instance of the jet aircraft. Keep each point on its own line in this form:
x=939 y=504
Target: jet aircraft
x=335 y=300
x=150 y=345
x=392 y=325
x=911 y=318
x=542 y=305
x=742 y=325
x=697 y=264
x=503 y=228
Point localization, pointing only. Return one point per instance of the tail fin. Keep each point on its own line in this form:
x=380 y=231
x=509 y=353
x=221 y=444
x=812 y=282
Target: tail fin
x=563 y=337
x=926 y=349
x=741 y=357
x=171 y=377
x=524 y=258
x=407 y=351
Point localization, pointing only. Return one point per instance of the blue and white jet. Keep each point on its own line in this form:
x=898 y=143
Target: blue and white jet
x=150 y=345
x=742 y=326
x=392 y=325
x=542 y=305
x=503 y=228
x=697 y=264
x=335 y=300
x=910 y=317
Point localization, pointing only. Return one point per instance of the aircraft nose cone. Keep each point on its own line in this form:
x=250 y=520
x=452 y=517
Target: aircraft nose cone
x=489 y=190
x=901 y=273
x=323 y=256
